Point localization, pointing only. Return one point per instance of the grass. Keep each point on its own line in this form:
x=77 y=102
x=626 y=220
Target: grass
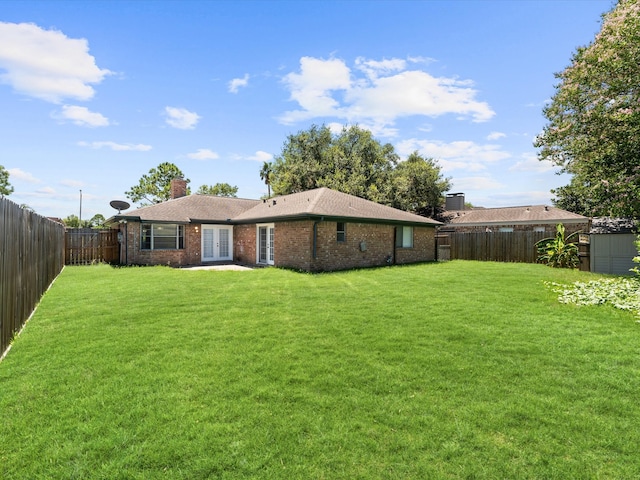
x=453 y=370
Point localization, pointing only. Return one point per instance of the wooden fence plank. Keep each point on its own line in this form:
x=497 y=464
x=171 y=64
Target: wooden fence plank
x=492 y=246
x=31 y=256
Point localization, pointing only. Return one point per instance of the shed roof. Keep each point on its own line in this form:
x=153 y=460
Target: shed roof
x=531 y=214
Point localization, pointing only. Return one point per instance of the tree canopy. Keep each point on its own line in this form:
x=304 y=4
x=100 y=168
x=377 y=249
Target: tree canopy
x=354 y=162
x=593 y=129
x=418 y=186
x=219 y=189
x=5 y=187
x=155 y=187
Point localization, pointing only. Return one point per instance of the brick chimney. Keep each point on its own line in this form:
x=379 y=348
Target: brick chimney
x=178 y=188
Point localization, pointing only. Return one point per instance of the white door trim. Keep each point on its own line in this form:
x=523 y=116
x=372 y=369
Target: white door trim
x=216 y=242
x=265 y=234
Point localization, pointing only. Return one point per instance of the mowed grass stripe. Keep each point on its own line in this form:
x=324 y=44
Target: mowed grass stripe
x=453 y=370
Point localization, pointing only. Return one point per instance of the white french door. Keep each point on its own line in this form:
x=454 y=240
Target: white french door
x=217 y=243
x=266 y=234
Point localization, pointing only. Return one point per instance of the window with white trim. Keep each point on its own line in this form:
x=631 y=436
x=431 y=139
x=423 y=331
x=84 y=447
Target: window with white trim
x=162 y=236
x=404 y=237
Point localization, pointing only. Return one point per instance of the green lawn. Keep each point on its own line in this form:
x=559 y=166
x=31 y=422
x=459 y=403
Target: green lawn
x=451 y=370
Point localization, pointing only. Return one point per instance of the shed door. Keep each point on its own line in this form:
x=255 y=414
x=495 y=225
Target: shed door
x=216 y=243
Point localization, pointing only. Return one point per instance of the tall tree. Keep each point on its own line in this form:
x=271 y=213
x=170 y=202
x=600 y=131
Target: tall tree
x=5 y=187
x=219 y=190
x=352 y=162
x=593 y=129
x=155 y=187
x=265 y=175
x=418 y=186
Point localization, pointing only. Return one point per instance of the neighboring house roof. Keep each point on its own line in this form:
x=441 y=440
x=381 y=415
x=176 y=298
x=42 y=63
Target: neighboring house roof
x=315 y=204
x=532 y=214
x=191 y=208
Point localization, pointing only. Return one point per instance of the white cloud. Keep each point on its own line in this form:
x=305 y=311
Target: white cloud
x=459 y=155
x=377 y=93
x=496 y=136
x=47 y=64
x=72 y=183
x=261 y=156
x=18 y=174
x=530 y=163
x=181 y=118
x=236 y=83
x=203 y=154
x=81 y=116
x=120 y=147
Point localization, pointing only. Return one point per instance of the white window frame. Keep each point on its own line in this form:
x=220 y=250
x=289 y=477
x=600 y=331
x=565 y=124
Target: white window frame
x=179 y=236
x=404 y=236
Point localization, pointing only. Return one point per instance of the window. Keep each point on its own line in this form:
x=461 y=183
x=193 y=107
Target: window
x=539 y=229
x=341 y=232
x=506 y=229
x=162 y=236
x=404 y=237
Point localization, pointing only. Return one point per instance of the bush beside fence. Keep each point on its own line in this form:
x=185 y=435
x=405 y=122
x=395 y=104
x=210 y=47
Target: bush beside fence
x=31 y=256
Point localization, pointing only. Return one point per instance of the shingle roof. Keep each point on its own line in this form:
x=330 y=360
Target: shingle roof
x=513 y=215
x=190 y=208
x=324 y=202
x=320 y=202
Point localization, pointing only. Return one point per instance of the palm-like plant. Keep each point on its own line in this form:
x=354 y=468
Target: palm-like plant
x=265 y=175
x=558 y=251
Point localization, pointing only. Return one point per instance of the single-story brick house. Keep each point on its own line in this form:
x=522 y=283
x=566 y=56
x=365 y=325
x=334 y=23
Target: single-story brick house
x=537 y=218
x=316 y=230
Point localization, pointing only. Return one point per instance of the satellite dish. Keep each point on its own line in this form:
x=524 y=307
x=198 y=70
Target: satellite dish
x=119 y=205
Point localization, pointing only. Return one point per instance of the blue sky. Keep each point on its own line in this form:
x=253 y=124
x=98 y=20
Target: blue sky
x=94 y=94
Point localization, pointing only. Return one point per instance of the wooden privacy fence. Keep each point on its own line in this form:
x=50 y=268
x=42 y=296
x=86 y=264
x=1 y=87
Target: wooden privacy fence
x=86 y=246
x=490 y=246
x=31 y=256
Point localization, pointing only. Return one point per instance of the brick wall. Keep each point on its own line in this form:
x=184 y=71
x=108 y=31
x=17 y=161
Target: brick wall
x=244 y=244
x=134 y=255
x=365 y=245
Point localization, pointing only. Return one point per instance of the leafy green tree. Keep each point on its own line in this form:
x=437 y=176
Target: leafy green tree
x=219 y=190
x=351 y=162
x=593 y=129
x=72 y=221
x=418 y=186
x=155 y=187
x=97 y=221
x=5 y=187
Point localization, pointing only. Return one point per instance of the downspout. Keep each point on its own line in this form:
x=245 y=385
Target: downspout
x=395 y=245
x=126 y=244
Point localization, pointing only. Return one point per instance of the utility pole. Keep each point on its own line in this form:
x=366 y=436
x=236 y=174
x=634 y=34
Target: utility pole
x=80 y=217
